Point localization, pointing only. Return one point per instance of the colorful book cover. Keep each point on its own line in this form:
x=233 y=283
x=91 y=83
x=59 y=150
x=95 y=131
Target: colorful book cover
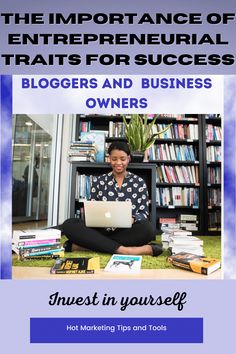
x=98 y=139
x=124 y=264
x=194 y=263
x=80 y=265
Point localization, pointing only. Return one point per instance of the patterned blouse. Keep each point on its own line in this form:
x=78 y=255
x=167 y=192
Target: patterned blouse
x=133 y=189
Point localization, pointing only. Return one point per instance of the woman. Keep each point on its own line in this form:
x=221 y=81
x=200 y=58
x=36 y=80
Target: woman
x=117 y=185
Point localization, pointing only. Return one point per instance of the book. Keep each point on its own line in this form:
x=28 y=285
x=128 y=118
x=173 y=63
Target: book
x=32 y=243
x=47 y=256
x=187 y=243
x=124 y=264
x=167 y=220
x=181 y=233
x=36 y=249
x=98 y=139
x=187 y=217
x=78 y=158
x=79 y=265
x=31 y=255
x=189 y=226
x=26 y=235
x=185 y=240
x=193 y=249
x=195 y=263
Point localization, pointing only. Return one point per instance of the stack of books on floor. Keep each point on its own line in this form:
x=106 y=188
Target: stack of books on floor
x=188 y=222
x=168 y=230
x=37 y=244
x=188 y=243
x=177 y=240
x=82 y=151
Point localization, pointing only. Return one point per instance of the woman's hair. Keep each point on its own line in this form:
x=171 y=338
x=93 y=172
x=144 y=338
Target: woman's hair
x=119 y=145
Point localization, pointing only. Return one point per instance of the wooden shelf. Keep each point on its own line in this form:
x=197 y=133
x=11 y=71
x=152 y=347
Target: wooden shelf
x=173 y=162
x=176 y=141
x=213 y=163
x=213 y=142
x=110 y=140
x=168 y=120
x=176 y=207
x=213 y=185
x=166 y=185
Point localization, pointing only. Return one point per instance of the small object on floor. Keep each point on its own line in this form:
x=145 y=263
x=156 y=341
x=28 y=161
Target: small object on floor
x=120 y=263
x=67 y=246
x=80 y=265
x=195 y=263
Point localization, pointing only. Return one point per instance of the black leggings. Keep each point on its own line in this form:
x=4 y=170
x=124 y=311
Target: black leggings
x=101 y=240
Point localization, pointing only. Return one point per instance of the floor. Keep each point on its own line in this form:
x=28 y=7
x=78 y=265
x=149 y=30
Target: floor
x=29 y=225
x=44 y=272
x=32 y=273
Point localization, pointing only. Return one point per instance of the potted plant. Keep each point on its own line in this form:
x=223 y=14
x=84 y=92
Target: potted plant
x=140 y=136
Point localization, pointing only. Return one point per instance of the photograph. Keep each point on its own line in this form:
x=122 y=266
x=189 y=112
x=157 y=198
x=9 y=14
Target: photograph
x=134 y=184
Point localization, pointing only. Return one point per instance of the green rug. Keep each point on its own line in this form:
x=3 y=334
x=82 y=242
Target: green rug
x=212 y=248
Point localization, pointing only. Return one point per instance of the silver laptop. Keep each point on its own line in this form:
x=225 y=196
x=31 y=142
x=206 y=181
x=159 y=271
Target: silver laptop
x=108 y=214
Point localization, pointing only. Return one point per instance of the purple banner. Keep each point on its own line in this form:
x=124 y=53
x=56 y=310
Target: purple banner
x=116 y=330
x=122 y=37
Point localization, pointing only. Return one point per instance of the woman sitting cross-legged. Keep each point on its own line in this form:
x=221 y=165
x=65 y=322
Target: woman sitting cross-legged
x=117 y=185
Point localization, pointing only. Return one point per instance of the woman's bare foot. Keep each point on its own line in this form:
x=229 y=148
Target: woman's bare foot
x=139 y=250
x=77 y=248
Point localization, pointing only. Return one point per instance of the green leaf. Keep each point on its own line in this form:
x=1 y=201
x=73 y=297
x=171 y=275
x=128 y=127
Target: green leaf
x=139 y=132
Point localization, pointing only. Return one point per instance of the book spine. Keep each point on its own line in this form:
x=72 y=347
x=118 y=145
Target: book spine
x=38 y=242
x=181 y=265
x=30 y=250
x=42 y=253
x=73 y=271
x=31 y=238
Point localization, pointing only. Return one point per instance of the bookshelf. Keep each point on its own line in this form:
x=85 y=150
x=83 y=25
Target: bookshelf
x=179 y=160
x=183 y=173
x=212 y=173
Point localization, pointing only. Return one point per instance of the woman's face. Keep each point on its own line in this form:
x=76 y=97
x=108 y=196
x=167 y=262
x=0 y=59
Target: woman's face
x=119 y=161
